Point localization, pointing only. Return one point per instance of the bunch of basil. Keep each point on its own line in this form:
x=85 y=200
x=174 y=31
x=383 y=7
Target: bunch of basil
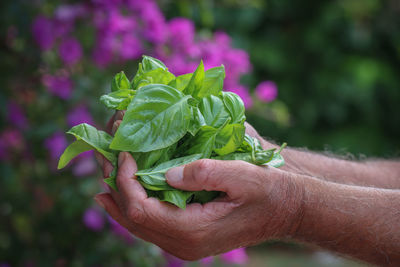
x=171 y=121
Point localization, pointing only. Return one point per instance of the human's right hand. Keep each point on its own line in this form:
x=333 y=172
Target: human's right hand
x=258 y=204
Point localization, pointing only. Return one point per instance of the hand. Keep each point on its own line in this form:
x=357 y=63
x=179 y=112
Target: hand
x=258 y=204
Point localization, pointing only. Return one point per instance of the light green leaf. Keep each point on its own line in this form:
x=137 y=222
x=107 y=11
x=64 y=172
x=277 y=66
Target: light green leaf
x=196 y=81
x=181 y=81
x=99 y=140
x=156 y=76
x=151 y=63
x=118 y=99
x=235 y=106
x=72 y=151
x=213 y=82
x=229 y=139
x=120 y=82
x=276 y=161
x=177 y=197
x=87 y=138
x=157 y=117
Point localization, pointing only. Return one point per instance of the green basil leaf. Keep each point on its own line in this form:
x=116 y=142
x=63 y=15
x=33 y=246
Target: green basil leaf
x=157 y=117
x=213 y=82
x=118 y=99
x=235 y=106
x=72 y=151
x=229 y=139
x=196 y=121
x=151 y=63
x=196 y=81
x=213 y=111
x=204 y=196
x=165 y=166
x=154 y=178
x=120 y=82
x=88 y=136
x=181 y=81
x=177 y=197
x=156 y=76
x=276 y=161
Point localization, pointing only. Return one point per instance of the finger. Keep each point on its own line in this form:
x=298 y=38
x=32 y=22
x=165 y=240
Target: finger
x=210 y=175
x=110 y=123
x=119 y=115
x=107 y=202
x=132 y=193
x=151 y=235
x=115 y=126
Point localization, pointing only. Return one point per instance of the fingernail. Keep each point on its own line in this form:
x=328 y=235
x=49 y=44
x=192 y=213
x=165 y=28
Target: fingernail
x=121 y=158
x=175 y=174
x=99 y=202
x=99 y=159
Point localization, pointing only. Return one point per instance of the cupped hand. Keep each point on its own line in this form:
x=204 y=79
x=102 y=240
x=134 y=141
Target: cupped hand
x=257 y=204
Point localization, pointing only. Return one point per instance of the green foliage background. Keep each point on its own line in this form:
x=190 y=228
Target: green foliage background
x=336 y=63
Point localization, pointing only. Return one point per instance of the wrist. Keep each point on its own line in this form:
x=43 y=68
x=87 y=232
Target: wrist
x=286 y=195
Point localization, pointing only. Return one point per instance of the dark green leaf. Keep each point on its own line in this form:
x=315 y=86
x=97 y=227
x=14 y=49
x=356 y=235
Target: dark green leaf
x=213 y=111
x=176 y=197
x=157 y=117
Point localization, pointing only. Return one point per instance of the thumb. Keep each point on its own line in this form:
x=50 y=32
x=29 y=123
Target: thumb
x=206 y=174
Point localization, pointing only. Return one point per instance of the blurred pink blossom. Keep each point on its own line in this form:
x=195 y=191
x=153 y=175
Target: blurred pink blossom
x=70 y=51
x=267 y=91
x=120 y=231
x=16 y=116
x=93 y=219
x=78 y=115
x=55 y=144
x=236 y=256
x=43 y=32
x=11 y=141
x=84 y=164
x=60 y=85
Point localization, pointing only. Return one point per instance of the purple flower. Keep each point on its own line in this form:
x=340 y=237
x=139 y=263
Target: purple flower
x=207 y=261
x=181 y=33
x=11 y=140
x=120 y=231
x=43 y=32
x=55 y=145
x=131 y=47
x=60 y=86
x=243 y=92
x=70 y=12
x=237 y=256
x=70 y=51
x=78 y=115
x=155 y=29
x=173 y=261
x=16 y=116
x=84 y=164
x=267 y=91
x=93 y=219
x=3 y=264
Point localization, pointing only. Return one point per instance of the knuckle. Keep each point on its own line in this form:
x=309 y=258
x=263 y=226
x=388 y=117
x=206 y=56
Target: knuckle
x=203 y=170
x=136 y=215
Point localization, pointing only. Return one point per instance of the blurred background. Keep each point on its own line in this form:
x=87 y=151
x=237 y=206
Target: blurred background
x=317 y=74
